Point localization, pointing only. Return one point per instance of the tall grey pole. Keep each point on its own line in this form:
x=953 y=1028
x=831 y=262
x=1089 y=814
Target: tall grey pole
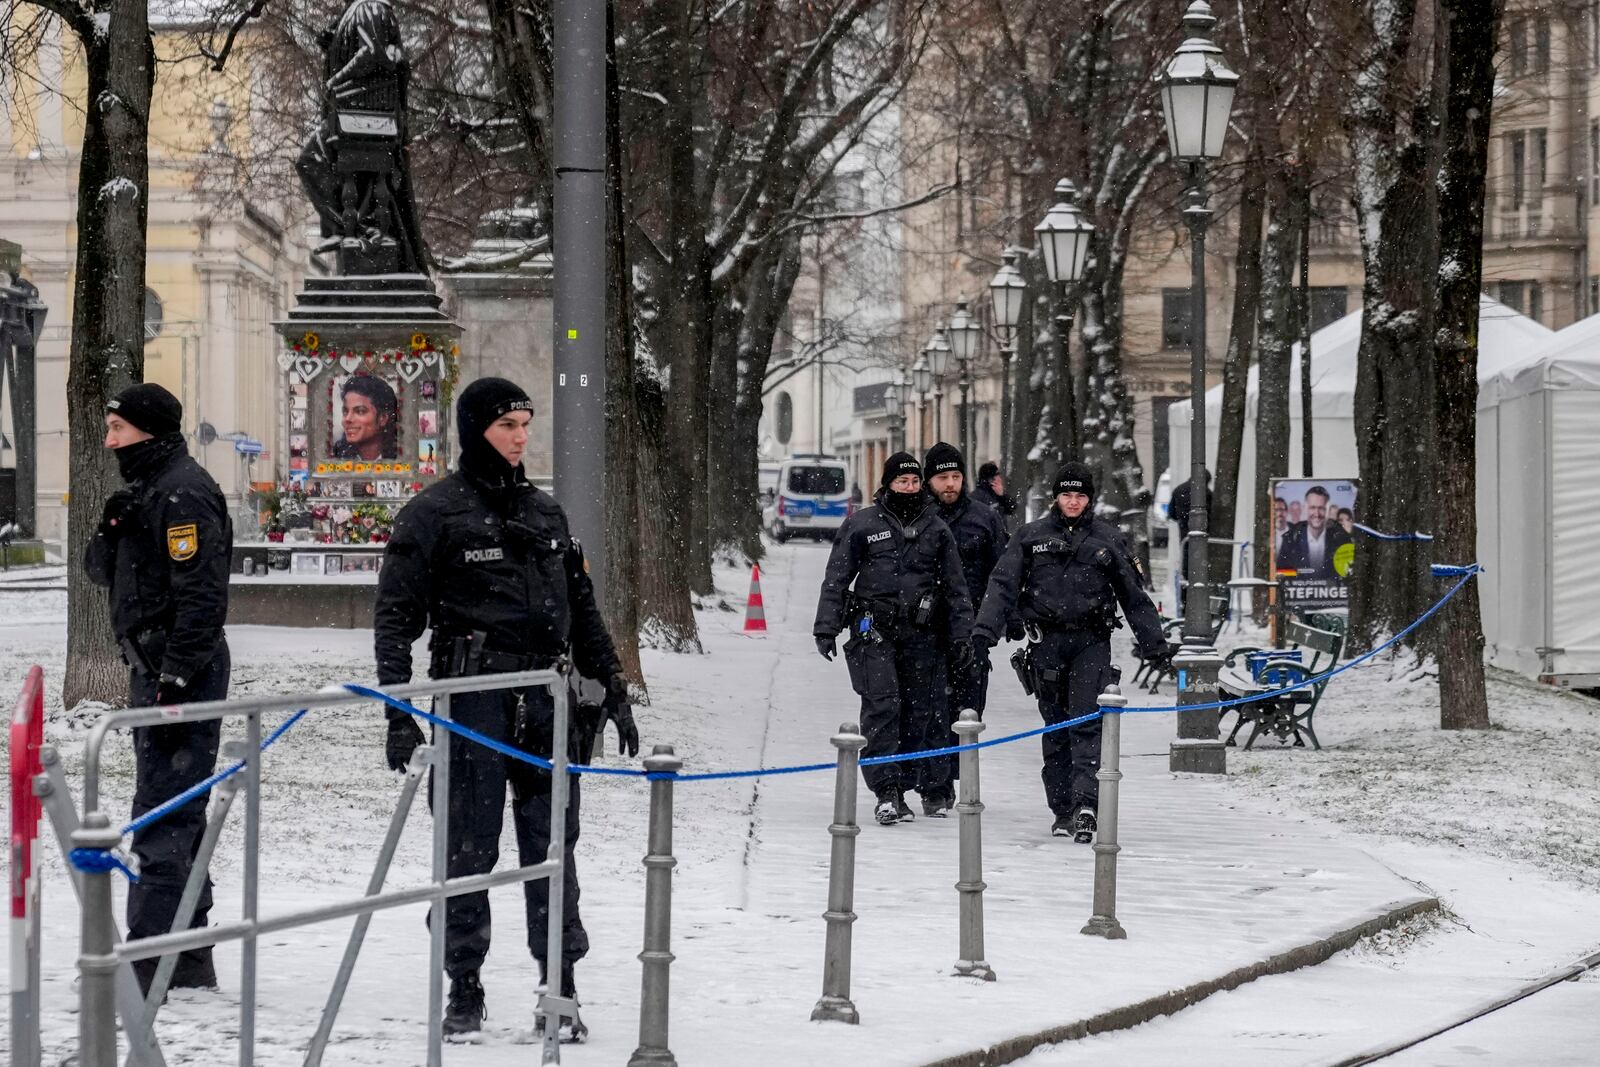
x=1066 y=416
x=579 y=393
x=655 y=992
x=97 y=959
x=1103 y=923
x=1005 y=409
x=973 y=962
x=835 y=1004
x=1197 y=748
x=441 y=873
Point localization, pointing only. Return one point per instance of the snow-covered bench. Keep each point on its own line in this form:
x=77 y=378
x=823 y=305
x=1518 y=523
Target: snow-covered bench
x=1290 y=713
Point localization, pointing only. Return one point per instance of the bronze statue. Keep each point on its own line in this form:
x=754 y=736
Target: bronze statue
x=354 y=167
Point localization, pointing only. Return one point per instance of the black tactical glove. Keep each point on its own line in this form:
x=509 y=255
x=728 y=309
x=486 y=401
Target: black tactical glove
x=961 y=655
x=620 y=711
x=825 y=646
x=980 y=652
x=119 y=506
x=1016 y=631
x=1161 y=655
x=171 y=690
x=404 y=737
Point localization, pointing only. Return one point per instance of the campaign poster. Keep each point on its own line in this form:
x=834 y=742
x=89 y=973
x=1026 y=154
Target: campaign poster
x=1313 y=541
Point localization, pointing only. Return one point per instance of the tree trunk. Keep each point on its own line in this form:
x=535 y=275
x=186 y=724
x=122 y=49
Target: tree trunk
x=622 y=408
x=1241 y=346
x=1472 y=31
x=1108 y=428
x=107 y=319
x=689 y=309
x=1277 y=337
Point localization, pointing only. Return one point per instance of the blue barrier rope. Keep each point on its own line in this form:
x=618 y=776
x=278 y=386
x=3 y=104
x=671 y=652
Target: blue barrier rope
x=1381 y=536
x=102 y=860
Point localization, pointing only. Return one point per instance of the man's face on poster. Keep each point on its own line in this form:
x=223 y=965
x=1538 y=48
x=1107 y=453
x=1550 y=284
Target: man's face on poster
x=1280 y=513
x=1316 y=513
x=360 y=419
x=1294 y=511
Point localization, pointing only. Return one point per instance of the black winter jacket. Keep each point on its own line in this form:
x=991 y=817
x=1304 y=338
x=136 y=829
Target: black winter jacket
x=166 y=562
x=457 y=564
x=893 y=566
x=1061 y=577
x=980 y=539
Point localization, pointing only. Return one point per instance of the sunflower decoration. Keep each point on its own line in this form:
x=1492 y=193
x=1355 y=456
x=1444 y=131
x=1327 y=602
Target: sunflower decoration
x=310 y=342
x=419 y=341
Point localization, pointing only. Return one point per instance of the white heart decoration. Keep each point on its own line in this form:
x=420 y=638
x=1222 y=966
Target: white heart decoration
x=409 y=368
x=428 y=356
x=308 y=367
x=285 y=360
x=349 y=361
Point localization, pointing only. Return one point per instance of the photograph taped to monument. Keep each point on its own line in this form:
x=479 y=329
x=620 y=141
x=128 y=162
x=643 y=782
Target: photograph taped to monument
x=1313 y=540
x=364 y=417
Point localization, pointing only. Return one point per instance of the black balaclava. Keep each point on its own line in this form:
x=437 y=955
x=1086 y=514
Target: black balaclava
x=150 y=408
x=903 y=506
x=1075 y=477
x=479 y=405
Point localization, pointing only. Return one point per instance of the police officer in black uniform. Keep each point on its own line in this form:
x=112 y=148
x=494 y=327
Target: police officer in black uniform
x=164 y=546
x=908 y=613
x=981 y=537
x=485 y=558
x=1066 y=572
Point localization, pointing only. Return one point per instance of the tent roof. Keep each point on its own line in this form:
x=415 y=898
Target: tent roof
x=1505 y=339
x=1570 y=359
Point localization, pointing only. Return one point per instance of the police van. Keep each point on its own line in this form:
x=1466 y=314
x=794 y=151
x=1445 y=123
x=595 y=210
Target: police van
x=813 y=498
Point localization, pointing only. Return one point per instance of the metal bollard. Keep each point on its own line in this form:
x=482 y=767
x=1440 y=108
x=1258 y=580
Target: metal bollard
x=835 y=1004
x=97 y=959
x=655 y=989
x=1103 y=923
x=969 y=809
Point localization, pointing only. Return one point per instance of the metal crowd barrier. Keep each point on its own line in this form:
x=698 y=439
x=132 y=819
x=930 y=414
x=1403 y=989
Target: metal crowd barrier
x=103 y=987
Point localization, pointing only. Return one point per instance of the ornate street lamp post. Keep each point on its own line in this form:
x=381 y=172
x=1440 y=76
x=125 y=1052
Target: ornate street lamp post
x=1064 y=237
x=1006 y=290
x=892 y=407
x=963 y=332
x=1197 y=98
x=922 y=377
x=938 y=353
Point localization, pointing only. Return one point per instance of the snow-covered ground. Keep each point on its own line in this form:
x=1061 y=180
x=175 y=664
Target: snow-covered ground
x=1214 y=873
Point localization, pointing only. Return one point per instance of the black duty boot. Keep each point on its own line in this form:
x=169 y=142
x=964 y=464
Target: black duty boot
x=937 y=805
x=1084 y=826
x=1062 y=827
x=570 y=1029
x=888 y=810
x=901 y=808
x=194 y=972
x=465 y=1012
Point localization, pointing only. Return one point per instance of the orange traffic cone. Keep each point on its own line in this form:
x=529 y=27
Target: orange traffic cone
x=755 y=615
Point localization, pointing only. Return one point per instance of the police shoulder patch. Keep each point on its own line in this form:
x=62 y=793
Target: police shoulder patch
x=182 y=542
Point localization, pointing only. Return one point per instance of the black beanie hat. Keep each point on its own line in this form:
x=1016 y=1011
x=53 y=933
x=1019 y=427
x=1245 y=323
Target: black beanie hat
x=148 y=407
x=484 y=401
x=988 y=471
x=1074 y=477
x=898 y=464
x=944 y=457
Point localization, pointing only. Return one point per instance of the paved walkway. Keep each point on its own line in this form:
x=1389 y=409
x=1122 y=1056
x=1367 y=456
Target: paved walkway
x=1207 y=887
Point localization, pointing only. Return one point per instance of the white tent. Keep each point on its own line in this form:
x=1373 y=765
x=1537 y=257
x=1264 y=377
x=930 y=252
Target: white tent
x=1505 y=338
x=1538 y=501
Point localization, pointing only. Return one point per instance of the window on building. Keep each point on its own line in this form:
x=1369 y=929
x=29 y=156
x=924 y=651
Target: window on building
x=1512 y=295
x=1535 y=301
x=1541 y=45
x=1594 y=295
x=1517 y=47
x=1519 y=169
x=1594 y=162
x=1594 y=32
x=1328 y=304
x=1175 y=319
x=1539 y=145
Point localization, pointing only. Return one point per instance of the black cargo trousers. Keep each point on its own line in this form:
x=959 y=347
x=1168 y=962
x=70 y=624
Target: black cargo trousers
x=525 y=719
x=901 y=680
x=1071 y=669
x=168 y=760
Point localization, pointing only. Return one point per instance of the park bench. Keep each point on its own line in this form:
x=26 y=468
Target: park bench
x=1290 y=713
x=1149 y=675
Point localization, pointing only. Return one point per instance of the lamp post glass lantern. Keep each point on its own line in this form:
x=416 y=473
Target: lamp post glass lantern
x=938 y=353
x=1064 y=236
x=1197 y=90
x=1006 y=292
x=964 y=333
